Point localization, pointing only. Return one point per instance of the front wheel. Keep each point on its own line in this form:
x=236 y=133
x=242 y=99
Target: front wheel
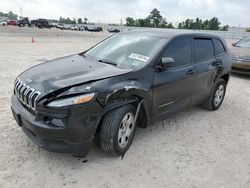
x=218 y=93
x=117 y=130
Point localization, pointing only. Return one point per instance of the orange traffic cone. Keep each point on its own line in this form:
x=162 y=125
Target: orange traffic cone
x=33 y=40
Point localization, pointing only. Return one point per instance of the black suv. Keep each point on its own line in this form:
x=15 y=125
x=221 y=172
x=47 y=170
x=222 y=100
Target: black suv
x=23 y=22
x=40 y=23
x=130 y=79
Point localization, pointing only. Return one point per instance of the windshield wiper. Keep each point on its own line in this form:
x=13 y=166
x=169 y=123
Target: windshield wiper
x=107 y=62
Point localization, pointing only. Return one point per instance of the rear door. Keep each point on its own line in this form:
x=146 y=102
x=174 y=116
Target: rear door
x=206 y=66
x=173 y=87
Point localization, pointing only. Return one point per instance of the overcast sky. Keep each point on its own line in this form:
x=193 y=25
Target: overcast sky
x=232 y=12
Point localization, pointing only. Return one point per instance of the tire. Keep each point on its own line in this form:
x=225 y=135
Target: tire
x=117 y=130
x=217 y=96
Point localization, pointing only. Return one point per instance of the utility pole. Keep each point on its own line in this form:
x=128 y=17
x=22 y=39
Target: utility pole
x=21 y=12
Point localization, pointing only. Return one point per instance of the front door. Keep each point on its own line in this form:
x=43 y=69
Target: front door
x=173 y=87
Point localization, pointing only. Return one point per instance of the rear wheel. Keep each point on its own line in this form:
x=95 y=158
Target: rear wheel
x=117 y=130
x=218 y=93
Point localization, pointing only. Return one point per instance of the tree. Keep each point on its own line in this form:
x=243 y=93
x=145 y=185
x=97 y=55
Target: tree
x=9 y=15
x=198 y=24
x=147 y=22
x=180 y=26
x=164 y=23
x=214 y=24
x=156 y=17
x=248 y=29
x=206 y=25
x=60 y=19
x=170 y=26
x=140 y=22
x=79 y=21
x=67 y=20
x=225 y=28
x=130 y=21
x=85 y=20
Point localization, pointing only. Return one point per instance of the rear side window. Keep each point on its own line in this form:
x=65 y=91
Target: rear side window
x=204 y=49
x=180 y=51
x=218 y=47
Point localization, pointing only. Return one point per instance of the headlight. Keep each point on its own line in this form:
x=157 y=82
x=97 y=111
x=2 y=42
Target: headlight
x=72 y=100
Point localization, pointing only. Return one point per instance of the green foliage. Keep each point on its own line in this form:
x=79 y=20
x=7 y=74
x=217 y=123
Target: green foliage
x=130 y=21
x=199 y=24
x=79 y=21
x=154 y=19
x=248 y=29
x=224 y=28
x=85 y=20
x=9 y=15
x=67 y=20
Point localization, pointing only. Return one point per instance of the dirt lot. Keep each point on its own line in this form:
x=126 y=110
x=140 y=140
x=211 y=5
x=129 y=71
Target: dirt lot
x=193 y=148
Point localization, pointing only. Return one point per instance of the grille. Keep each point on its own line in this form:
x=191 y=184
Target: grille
x=27 y=95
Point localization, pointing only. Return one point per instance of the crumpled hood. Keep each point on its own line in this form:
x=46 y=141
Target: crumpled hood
x=67 y=71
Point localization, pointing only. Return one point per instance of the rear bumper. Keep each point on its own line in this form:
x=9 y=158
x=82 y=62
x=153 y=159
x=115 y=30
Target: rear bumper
x=74 y=135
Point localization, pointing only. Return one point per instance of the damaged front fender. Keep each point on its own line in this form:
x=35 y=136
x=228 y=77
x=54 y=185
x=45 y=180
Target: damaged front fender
x=127 y=92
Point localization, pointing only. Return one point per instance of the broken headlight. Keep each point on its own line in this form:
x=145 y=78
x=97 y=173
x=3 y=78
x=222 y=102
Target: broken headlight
x=72 y=100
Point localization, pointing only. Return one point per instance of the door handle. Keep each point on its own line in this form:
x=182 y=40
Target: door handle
x=191 y=71
x=217 y=63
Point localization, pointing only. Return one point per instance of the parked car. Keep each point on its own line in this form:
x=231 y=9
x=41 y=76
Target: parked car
x=12 y=22
x=83 y=28
x=23 y=22
x=3 y=23
x=40 y=23
x=53 y=24
x=241 y=56
x=74 y=27
x=113 y=30
x=67 y=26
x=94 y=29
x=130 y=79
x=59 y=26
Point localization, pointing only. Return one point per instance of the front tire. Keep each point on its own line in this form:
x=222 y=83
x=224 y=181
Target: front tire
x=217 y=95
x=117 y=130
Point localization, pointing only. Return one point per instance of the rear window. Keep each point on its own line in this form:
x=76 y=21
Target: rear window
x=218 y=47
x=204 y=49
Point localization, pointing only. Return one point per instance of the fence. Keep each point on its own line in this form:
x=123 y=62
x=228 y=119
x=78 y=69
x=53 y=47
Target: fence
x=236 y=34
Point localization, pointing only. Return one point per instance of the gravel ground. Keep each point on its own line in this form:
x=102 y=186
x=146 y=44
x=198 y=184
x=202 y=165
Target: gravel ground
x=193 y=148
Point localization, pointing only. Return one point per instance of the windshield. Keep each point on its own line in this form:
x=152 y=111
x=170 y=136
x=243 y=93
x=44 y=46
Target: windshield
x=127 y=50
x=244 y=43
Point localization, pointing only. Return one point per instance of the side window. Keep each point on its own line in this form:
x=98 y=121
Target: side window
x=180 y=51
x=218 y=47
x=204 y=49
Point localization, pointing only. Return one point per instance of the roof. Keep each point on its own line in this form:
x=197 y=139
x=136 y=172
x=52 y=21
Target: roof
x=170 y=33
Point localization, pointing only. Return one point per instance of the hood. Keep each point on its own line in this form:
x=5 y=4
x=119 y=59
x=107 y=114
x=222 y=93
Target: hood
x=67 y=71
x=238 y=51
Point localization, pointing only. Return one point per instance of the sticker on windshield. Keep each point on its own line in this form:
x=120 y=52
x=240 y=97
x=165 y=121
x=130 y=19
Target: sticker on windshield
x=138 y=57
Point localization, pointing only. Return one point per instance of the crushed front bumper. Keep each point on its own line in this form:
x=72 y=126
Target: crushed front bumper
x=69 y=131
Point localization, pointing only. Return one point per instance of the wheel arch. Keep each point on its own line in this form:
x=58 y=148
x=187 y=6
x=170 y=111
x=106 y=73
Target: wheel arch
x=134 y=100
x=225 y=77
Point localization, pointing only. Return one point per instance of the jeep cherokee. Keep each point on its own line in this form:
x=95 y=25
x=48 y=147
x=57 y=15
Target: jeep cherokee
x=129 y=79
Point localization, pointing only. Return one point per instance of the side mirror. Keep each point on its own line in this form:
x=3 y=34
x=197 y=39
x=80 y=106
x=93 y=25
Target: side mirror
x=166 y=62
